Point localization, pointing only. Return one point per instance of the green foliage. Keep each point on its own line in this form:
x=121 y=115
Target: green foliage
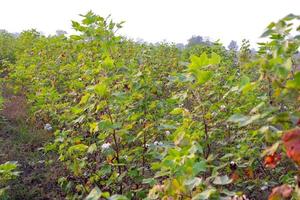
x=7 y=47
x=7 y=173
x=144 y=121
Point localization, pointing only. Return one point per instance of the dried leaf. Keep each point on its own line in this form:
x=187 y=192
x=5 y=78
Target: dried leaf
x=281 y=192
x=291 y=141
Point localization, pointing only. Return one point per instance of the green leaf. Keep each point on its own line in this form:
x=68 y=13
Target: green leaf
x=105 y=125
x=95 y=194
x=193 y=182
x=92 y=148
x=203 y=76
x=248 y=87
x=282 y=71
x=76 y=26
x=78 y=148
x=244 y=80
x=206 y=194
x=8 y=166
x=236 y=118
x=101 y=89
x=118 y=197
x=199 y=167
x=267 y=33
x=75 y=37
x=177 y=111
x=243 y=120
x=290 y=17
x=94 y=127
x=215 y=59
x=294 y=84
x=222 y=180
x=288 y=64
x=198 y=62
x=271 y=25
x=108 y=62
x=84 y=98
x=150 y=181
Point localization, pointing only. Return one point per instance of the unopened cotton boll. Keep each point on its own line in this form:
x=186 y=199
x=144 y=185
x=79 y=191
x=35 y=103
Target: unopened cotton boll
x=233 y=166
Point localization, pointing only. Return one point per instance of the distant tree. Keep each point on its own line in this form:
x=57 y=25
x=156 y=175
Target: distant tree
x=199 y=40
x=5 y=32
x=208 y=42
x=15 y=34
x=180 y=46
x=140 y=41
x=233 y=46
x=195 y=40
x=61 y=32
x=253 y=51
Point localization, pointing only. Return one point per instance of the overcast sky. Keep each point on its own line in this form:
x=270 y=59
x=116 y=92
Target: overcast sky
x=153 y=20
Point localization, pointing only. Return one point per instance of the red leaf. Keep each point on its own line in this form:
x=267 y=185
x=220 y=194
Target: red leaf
x=298 y=122
x=271 y=161
x=281 y=192
x=291 y=141
x=235 y=176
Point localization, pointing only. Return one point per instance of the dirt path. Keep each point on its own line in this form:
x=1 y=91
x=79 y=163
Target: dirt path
x=21 y=143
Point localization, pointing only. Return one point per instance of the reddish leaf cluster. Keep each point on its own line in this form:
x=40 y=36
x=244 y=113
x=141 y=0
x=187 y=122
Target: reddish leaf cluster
x=242 y=174
x=291 y=141
x=281 y=192
x=271 y=161
x=298 y=122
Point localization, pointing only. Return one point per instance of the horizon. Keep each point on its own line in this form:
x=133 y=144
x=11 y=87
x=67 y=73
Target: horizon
x=166 y=25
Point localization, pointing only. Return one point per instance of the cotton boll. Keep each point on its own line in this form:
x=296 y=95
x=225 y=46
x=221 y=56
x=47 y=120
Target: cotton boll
x=214 y=114
x=168 y=133
x=105 y=146
x=222 y=107
x=48 y=127
x=158 y=143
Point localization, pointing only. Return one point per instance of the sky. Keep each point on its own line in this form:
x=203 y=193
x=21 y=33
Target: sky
x=153 y=21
